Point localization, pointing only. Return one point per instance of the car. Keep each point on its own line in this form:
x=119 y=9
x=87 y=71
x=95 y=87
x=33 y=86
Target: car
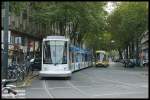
x=133 y=61
x=35 y=64
x=145 y=62
x=122 y=61
x=129 y=63
x=117 y=60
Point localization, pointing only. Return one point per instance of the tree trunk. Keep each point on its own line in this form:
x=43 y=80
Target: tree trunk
x=120 y=54
x=132 y=50
x=126 y=52
x=61 y=28
x=137 y=52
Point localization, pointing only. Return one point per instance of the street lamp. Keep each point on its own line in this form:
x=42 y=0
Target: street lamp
x=111 y=47
x=111 y=43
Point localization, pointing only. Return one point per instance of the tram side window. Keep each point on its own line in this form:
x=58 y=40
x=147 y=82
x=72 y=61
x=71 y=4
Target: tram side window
x=83 y=57
x=46 y=53
x=73 y=58
x=65 y=54
x=71 y=55
x=78 y=57
x=97 y=56
x=105 y=58
x=86 y=57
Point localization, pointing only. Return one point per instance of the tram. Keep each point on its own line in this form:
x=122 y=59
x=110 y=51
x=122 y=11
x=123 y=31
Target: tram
x=60 y=58
x=102 y=58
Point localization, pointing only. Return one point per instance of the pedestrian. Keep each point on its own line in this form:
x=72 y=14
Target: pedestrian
x=110 y=60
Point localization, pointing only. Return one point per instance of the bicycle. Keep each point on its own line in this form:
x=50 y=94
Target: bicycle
x=11 y=71
x=10 y=88
x=15 y=72
x=27 y=67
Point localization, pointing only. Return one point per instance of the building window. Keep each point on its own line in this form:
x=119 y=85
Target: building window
x=23 y=41
x=12 y=39
x=18 y=40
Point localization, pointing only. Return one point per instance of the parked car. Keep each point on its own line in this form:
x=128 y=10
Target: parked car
x=117 y=60
x=35 y=64
x=145 y=62
x=122 y=61
x=133 y=61
x=129 y=63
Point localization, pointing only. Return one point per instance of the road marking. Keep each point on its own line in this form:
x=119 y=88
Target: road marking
x=59 y=87
x=46 y=89
x=116 y=81
x=36 y=88
x=123 y=83
x=118 y=93
x=76 y=88
x=52 y=88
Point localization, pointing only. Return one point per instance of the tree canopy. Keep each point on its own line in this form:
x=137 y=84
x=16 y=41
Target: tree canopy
x=86 y=22
x=82 y=18
x=128 y=21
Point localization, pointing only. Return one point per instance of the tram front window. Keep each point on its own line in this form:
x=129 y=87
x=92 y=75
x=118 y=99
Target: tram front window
x=55 y=52
x=100 y=57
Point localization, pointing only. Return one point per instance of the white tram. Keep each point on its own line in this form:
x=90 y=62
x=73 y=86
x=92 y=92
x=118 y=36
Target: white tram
x=60 y=59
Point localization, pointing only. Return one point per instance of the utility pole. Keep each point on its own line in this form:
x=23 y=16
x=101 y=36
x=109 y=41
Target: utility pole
x=5 y=57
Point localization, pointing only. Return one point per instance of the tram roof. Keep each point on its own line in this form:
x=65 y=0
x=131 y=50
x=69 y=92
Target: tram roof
x=79 y=50
x=100 y=51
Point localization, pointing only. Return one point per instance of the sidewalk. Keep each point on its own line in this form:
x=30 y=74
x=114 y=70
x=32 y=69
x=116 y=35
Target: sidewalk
x=27 y=81
x=21 y=86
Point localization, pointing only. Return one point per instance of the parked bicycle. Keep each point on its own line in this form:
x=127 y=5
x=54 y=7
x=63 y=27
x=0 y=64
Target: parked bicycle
x=15 y=71
x=7 y=89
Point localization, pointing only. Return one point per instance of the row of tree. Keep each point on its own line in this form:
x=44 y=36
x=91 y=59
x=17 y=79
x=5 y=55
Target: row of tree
x=77 y=20
x=126 y=23
x=87 y=22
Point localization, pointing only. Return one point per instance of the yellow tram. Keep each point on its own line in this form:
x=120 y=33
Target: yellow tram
x=102 y=58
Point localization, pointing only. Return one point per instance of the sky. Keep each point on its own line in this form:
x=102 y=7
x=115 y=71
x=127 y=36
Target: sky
x=109 y=7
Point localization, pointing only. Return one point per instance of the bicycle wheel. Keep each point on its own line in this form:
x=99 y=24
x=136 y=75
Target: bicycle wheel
x=9 y=75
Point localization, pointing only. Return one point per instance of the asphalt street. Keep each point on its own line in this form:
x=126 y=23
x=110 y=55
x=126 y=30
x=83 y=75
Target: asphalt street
x=112 y=82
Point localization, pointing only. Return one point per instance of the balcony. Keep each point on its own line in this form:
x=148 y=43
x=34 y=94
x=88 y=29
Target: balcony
x=144 y=39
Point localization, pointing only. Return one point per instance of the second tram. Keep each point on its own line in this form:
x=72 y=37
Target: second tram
x=102 y=58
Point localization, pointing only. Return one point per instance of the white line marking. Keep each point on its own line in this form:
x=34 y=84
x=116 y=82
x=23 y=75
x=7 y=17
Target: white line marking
x=59 y=87
x=44 y=84
x=116 y=81
x=123 y=83
x=76 y=88
x=36 y=88
x=118 y=93
x=51 y=88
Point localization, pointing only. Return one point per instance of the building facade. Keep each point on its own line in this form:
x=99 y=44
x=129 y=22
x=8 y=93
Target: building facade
x=144 y=47
x=19 y=46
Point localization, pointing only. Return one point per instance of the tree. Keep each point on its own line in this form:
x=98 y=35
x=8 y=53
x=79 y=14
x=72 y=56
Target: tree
x=128 y=21
x=54 y=18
